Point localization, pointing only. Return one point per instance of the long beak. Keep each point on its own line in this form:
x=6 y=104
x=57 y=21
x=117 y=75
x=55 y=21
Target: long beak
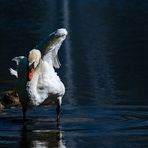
x=30 y=71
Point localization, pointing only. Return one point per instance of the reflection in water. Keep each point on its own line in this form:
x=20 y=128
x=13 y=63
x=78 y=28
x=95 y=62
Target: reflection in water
x=41 y=138
x=39 y=144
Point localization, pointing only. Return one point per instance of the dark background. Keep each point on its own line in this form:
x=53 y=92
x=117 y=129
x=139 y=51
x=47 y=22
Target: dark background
x=104 y=68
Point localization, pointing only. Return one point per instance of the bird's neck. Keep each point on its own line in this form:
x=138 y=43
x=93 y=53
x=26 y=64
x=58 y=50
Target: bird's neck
x=34 y=87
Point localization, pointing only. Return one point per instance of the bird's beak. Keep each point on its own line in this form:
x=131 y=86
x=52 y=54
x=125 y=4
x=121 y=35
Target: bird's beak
x=30 y=71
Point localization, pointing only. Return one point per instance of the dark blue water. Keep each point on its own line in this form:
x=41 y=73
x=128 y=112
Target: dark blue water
x=104 y=67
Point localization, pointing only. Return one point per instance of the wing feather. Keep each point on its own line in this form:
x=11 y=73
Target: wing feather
x=13 y=72
x=21 y=63
x=51 y=45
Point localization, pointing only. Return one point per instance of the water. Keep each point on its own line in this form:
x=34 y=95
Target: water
x=104 y=68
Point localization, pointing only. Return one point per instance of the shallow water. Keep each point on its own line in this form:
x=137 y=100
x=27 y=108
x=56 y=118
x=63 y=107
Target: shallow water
x=104 y=69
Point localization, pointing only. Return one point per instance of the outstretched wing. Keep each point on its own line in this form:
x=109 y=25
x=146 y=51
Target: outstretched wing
x=21 y=63
x=51 y=45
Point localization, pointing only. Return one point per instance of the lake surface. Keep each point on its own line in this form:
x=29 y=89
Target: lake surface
x=104 y=68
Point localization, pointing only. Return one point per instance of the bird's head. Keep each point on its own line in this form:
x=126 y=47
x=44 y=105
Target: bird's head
x=33 y=61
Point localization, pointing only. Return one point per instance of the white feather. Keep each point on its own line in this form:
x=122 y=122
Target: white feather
x=44 y=83
x=19 y=61
x=13 y=72
x=52 y=45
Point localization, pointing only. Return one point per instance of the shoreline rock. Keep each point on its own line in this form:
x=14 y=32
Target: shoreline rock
x=8 y=99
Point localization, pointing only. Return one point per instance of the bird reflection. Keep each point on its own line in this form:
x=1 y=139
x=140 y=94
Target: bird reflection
x=41 y=138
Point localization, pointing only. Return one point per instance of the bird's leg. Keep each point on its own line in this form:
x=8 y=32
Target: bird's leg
x=58 y=109
x=24 y=113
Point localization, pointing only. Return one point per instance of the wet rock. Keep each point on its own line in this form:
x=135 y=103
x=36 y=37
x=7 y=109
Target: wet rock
x=9 y=99
x=1 y=106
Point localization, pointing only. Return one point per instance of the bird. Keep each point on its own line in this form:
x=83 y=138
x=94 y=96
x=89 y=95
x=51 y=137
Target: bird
x=37 y=83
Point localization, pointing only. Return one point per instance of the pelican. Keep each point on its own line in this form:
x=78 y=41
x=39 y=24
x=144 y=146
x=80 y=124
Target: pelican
x=37 y=83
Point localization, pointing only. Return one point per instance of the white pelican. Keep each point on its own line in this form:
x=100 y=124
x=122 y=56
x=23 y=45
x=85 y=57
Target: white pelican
x=37 y=82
